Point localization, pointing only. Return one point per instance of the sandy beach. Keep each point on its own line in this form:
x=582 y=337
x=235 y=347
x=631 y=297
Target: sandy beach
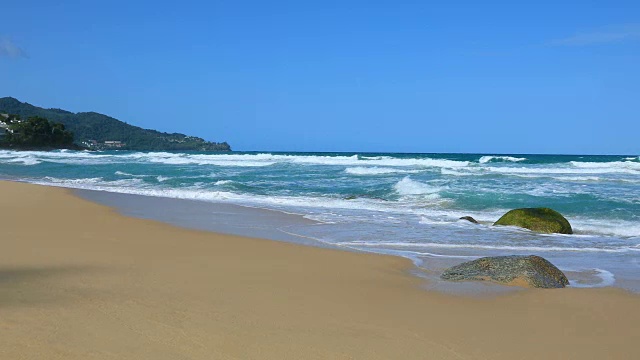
x=80 y=281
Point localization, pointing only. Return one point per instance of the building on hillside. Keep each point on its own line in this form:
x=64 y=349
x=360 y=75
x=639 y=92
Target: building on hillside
x=90 y=144
x=4 y=126
x=106 y=145
x=114 y=144
x=7 y=119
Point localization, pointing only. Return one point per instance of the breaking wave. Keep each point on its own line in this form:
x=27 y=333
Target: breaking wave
x=408 y=187
x=486 y=159
x=376 y=171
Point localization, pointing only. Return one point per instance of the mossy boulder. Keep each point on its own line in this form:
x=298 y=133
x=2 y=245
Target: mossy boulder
x=518 y=270
x=542 y=220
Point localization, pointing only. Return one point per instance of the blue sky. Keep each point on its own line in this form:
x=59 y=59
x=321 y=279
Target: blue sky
x=406 y=76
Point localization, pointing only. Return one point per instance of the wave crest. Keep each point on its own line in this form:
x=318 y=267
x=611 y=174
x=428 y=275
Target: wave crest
x=493 y=158
x=359 y=170
x=408 y=187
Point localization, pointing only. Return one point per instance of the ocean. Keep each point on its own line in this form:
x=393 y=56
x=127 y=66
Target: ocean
x=401 y=204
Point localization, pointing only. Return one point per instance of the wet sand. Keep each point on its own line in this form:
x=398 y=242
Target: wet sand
x=80 y=281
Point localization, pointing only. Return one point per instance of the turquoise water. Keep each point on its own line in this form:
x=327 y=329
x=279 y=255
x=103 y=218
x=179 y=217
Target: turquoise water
x=405 y=204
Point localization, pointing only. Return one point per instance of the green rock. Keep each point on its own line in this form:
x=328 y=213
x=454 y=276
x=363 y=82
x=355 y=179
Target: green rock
x=542 y=220
x=519 y=270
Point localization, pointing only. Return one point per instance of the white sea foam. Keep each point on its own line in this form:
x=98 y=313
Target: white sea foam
x=486 y=159
x=241 y=160
x=460 y=172
x=552 y=190
x=630 y=167
x=408 y=187
x=216 y=160
x=376 y=171
x=80 y=181
x=15 y=157
x=577 y=178
x=27 y=161
x=223 y=182
x=563 y=170
x=375 y=157
x=606 y=278
x=555 y=174
x=122 y=173
x=398 y=244
x=199 y=192
x=202 y=192
x=434 y=220
x=227 y=160
x=49 y=154
x=563 y=178
x=96 y=183
x=621 y=228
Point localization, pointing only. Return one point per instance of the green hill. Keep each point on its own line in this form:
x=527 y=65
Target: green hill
x=93 y=130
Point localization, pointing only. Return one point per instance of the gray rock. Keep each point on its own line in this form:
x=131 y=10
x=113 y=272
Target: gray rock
x=470 y=219
x=519 y=270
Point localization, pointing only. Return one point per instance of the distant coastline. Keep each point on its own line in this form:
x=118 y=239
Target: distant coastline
x=95 y=131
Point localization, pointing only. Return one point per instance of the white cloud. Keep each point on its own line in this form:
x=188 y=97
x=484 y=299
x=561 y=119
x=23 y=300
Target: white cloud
x=605 y=35
x=9 y=49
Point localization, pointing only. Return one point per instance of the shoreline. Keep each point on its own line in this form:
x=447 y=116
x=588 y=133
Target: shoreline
x=79 y=280
x=270 y=224
x=280 y=225
x=222 y=218
x=427 y=265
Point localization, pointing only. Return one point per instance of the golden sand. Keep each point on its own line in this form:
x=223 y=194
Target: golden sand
x=80 y=281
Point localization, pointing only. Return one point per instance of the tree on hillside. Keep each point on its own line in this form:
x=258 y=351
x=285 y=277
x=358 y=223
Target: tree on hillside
x=36 y=132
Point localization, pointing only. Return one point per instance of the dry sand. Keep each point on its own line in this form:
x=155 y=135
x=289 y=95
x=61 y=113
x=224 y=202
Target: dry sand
x=79 y=281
